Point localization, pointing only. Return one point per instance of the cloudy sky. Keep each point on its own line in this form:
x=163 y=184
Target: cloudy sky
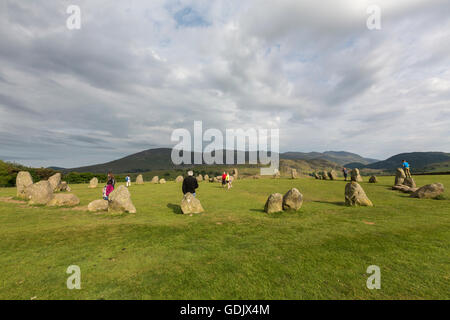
x=136 y=70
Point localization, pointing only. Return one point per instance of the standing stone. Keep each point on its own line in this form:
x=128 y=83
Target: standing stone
x=40 y=192
x=294 y=173
x=140 y=179
x=179 y=179
x=155 y=179
x=190 y=204
x=23 y=181
x=325 y=175
x=274 y=203
x=55 y=181
x=355 y=195
x=199 y=178
x=315 y=175
x=63 y=186
x=235 y=173
x=429 y=191
x=64 y=199
x=399 y=176
x=355 y=176
x=276 y=174
x=162 y=181
x=206 y=177
x=333 y=175
x=120 y=201
x=292 y=200
x=98 y=205
x=93 y=183
x=373 y=179
x=409 y=181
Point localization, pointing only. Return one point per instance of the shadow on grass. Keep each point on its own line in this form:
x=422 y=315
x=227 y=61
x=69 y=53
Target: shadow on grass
x=336 y=203
x=175 y=208
x=258 y=210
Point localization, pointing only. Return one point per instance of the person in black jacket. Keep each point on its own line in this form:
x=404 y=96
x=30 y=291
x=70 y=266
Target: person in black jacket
x=190 y=184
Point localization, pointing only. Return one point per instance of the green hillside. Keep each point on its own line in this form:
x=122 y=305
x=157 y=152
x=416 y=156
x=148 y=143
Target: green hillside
x=417 y=160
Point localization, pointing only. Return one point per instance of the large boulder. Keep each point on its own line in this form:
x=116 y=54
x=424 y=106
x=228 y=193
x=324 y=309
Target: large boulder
x=235 y=173
x=120 y=201
x=40 y=192
x=429 y=191
x=355 y=175
x=23 y=181
x=140 y=179
x=190 y=204
x=206 y=177
x=179 y=179
x=355 y=195
x=325 y=175
x=373 y=179
x=315 y=175
x=402 y=187
x=55 y=181
x=98 y=205
x=162 y=181
x=409 y=181
x=199 y=178
x=64 y=199
x=274 y=203
x=333 y=175
x=93 y=183
x=292 y=200
x=63 y=186
x=155 y=180
x=399 y=176
x=294 y=173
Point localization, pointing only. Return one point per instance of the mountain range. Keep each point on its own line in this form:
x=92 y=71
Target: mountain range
x=160 y=159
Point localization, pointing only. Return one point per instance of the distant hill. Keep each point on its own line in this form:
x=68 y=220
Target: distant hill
x=339 y=157
x=417 y=160
x=160 y=159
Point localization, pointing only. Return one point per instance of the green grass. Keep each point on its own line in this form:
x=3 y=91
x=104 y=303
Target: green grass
x=234 y=250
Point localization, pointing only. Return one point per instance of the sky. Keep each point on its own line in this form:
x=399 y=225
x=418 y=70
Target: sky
x=137 y=70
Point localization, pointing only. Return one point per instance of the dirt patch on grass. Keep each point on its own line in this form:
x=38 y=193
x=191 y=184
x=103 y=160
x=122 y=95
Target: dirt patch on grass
x=11 y=200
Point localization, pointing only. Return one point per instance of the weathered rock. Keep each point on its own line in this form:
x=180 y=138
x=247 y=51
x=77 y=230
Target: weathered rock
x=190 y=204
x=63 y=186
x=294 y=173
x=235 y=173
x=162 y=181
x=179 y=179
x=373 y=179
x=93 y=183
x=401 y=187
x=199 y=178
x=55 y=181
x=212 y=179
x=23 y=181
x=315 y=175
x=355 y=195
x=399 y=176
x=429 y=191
x=325 y=175
x=355 y=175
x=206 y=177
x=333 y=175
x=64 y=199
x=155 y=179
x=274 y=203
x=40 y=192
x=98 y=205
x=292 y=200
x=140 y=179
x=409 y=181
x=120 y=201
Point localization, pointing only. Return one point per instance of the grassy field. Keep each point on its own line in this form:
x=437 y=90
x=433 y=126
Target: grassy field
x=234 y=250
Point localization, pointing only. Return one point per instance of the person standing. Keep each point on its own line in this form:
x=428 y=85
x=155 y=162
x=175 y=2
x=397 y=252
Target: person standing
x=345 y=172
x=190 y=184
x=224 y=178
x=228 y=181
x=128 y=181
x=406 y=168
